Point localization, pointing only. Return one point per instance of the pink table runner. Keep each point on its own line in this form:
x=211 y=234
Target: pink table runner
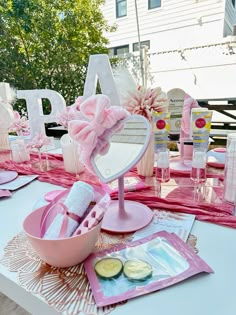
x=215 y=213
x=55 y=175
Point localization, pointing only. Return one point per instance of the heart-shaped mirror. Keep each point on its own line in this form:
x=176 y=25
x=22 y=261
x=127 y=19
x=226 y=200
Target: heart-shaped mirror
x=126 y=149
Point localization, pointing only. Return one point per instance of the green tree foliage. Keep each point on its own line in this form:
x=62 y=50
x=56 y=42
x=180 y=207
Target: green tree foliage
x=47 y=43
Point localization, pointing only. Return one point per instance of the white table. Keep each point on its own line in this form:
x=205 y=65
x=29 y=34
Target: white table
x=201 y=295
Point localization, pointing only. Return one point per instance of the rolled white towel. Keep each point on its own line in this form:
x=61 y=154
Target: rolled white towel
x=77 y=202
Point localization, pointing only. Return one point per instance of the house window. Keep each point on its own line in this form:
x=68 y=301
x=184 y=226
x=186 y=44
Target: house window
x=121 y=8
x=119 y=50
x=233 y=2
x=152 y=4
x=144 y=43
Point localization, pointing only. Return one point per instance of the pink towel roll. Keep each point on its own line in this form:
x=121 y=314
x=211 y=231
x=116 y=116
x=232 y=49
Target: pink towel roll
x=73 y=209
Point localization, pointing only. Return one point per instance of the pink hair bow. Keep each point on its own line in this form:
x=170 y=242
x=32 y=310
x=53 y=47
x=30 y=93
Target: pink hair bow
x=102 y=120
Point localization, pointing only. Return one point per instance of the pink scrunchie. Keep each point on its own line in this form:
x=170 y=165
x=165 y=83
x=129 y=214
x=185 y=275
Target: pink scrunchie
x=102 y=120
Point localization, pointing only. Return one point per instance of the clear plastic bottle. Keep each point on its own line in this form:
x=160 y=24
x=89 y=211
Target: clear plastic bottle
x=163 y=166
x=198 y=172
x=229 y=192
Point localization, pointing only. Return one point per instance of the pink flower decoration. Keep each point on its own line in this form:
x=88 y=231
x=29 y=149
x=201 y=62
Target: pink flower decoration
x=143 y=101
x=78 y=102
x=19 y=123
x=68 y=114
x=39 y=141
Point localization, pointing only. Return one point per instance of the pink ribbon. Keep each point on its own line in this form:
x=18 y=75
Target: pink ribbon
x=51 y=210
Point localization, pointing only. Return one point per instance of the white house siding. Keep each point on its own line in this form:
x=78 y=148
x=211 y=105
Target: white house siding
x=204 y=73
x=185 y=37
x=230 y=17
x=178 y=23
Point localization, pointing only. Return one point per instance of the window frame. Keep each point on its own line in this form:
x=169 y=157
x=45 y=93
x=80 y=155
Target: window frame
x=117 y=8
x=143 y=43
x=150 y=7
x=113 y=50
x=120 y=47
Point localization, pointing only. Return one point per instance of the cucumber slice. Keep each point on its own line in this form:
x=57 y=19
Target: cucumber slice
x=137 y=270
x=108 y=268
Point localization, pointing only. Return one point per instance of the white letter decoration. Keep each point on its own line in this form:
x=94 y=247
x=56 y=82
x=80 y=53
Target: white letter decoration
x=36 y=117
x=6 y=93
x=6 y=114
x=99 y=68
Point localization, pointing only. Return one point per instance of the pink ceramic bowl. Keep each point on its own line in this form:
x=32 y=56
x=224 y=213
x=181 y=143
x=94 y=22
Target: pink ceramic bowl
x=64 y=252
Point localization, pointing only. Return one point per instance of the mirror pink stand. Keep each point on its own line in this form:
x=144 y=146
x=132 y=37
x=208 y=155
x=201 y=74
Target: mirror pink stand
x=125 y=215
x=126 y=149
